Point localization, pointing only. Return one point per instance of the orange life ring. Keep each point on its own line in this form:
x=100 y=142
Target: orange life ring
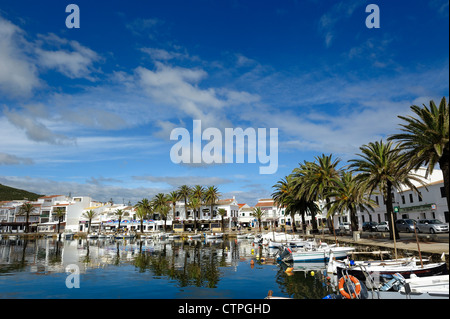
x=355 y=282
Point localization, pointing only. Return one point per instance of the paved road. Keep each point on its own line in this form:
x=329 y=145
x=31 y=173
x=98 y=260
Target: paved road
x=431 y=244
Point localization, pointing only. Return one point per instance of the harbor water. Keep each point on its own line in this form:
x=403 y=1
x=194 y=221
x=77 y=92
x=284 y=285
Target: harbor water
x=151 y=269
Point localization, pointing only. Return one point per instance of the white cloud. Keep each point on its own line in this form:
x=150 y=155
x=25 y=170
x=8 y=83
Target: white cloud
x=8 y=159
x=18 y=74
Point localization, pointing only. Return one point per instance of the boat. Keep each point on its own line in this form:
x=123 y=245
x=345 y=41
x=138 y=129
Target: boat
x=196 y=236
x=124 y=236
x=92 y=236
x=241 y=236
x=431 y=287
x=313 y=253
x=213 y=235
x=174 y=236
x=377 y=273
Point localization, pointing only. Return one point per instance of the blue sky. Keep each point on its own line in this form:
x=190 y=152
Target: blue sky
x=90 y=110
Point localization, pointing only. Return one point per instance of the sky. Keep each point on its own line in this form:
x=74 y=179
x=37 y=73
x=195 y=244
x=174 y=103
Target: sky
x=89 y=111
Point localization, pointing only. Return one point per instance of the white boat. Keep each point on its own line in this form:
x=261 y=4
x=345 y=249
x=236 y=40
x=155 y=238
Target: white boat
x=214 y=235
x=375 y=274
x=241 y=236
x=92 y=236
x=196 y=236
x=313 y=253
x=174 y=236
x=125 y=236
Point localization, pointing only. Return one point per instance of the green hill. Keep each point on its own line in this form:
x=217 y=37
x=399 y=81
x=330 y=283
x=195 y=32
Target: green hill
x=10 y=193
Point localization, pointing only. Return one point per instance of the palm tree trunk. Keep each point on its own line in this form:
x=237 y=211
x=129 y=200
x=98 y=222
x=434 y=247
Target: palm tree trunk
x=444 y=165
x=390 y=212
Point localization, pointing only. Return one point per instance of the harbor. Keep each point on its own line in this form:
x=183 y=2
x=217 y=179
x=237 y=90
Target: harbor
x=232 y=266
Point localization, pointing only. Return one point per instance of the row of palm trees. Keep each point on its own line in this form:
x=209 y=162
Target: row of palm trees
x=162 y=204
x=381 y=167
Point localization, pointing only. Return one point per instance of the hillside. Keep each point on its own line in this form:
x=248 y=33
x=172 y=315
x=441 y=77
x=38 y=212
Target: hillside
x=10 y=193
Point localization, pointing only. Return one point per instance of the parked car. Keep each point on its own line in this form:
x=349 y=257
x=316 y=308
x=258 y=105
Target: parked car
x=431 y=226
x=406 y=225
x=344 y=227
x=369 y=226
x=383 y=226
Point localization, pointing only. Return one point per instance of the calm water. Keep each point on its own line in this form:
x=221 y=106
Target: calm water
x=150 y=269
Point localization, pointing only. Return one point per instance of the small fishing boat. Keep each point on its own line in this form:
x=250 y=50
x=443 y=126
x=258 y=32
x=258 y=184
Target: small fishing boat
x=174 y=236
x=377 y=273
x=214 y=235
x=125 y=236
x=313 y=253
x=92 y=236
x=196 y=236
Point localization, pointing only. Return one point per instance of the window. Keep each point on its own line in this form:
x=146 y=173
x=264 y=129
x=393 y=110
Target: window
x=420 y=197
x=443 y=192
x=403 y=199
x=376 y=200
x=411 y=200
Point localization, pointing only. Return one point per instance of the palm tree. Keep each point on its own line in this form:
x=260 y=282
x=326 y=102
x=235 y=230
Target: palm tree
x=212 y=195
x=141 y=214
x=185 y=192
x=314 y=180
x=349 y=196
x=194 y=204
x=426 y=140
x=382 y=166
x=164 y=212
x=222 y=212
x=89 y=215
x=26 y=209
x=173 y=197
x=160 y=202
x=59 y=214
x=119 y=213
x=258 y=214
x=147 y=205
x=283 y=196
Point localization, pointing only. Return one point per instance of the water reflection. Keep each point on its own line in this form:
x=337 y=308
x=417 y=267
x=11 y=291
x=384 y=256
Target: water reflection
x=221 y=265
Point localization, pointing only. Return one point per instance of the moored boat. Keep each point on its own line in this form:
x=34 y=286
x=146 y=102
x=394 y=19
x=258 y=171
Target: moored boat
x=213 y=235
x=313 y=253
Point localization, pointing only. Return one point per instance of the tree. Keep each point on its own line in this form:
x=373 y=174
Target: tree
x=146 y=205
x=119 y=214
x=185 y=191
x=382 y=166
x=59 y=214
x=212 y=195
x=425 y=139
x=194 y=204
x=26 y=209
x=222 y=213
x=173 y=197
x=314 y=180
x=160 y=204
x=141 y=214
x=349 y=196
x=258 y=214
x=90 y=215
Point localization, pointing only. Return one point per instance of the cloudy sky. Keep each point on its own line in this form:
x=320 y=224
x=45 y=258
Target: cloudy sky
x=90 y=110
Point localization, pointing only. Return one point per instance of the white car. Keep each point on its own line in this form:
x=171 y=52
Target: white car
x=383 y=226
x=344 y=227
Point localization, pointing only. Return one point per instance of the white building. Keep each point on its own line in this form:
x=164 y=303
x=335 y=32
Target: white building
x=429 y=203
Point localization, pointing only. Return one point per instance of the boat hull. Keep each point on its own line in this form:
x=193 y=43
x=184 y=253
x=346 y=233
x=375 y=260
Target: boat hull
x=384 y=273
